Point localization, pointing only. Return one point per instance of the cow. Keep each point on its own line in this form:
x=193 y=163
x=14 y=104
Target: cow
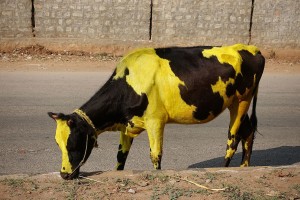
x=151 y=87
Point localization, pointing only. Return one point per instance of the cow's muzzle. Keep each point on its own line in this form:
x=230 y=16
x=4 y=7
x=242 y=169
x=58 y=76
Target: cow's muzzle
x=67 y=176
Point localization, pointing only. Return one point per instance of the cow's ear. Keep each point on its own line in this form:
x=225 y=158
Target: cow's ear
x=53 y=115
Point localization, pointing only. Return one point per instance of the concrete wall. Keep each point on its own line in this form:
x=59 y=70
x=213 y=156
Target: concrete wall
x=160 y=22
x=96 y=19
x=15 y=19
x=276 y=23
x=202 y=22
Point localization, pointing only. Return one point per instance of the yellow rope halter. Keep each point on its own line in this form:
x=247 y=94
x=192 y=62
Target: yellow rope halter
x=89 y=121
x=86 y=118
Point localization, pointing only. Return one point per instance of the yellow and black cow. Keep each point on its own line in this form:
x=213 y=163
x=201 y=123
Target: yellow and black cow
x=151 y=87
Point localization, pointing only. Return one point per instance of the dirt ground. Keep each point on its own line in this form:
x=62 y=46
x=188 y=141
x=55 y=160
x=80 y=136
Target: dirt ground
x=38 y=58
x=231 y=183
x=219 y=183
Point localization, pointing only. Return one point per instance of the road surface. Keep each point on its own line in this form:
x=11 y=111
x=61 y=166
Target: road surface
x=27 y=133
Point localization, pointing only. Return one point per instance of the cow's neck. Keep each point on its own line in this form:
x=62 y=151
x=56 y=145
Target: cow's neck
x=104 y=108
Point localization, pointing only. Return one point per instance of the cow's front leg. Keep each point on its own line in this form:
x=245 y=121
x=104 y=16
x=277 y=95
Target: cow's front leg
x=155 y=129
x=124 y=147
x=232 y=144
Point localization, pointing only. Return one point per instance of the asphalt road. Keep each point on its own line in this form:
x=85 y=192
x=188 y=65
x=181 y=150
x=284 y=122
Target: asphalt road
x=27 y=133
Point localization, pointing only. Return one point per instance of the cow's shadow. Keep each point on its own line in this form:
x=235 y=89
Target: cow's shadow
x=285 y=155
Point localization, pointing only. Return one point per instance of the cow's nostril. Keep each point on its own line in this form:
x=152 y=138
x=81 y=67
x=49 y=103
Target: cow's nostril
x=64 y=175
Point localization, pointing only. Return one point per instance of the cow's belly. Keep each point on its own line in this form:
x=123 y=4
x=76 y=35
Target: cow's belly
x=188 y=117
x=200 y=112
x=182 y=117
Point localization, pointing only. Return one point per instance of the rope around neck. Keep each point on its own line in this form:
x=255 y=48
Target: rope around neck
x=89 y=121
x=86 y=118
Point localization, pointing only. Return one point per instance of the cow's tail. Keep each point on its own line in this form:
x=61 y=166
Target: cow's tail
x=253 y=117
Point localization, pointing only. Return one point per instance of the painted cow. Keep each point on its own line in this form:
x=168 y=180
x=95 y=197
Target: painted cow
x=151 y=87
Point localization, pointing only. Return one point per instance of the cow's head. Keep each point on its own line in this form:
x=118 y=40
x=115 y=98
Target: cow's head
x=76 y=139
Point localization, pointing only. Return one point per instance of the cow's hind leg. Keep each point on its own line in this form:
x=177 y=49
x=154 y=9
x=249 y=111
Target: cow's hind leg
x=246 y=133
x=124 y=147
x=238 y=111
x=232 y=144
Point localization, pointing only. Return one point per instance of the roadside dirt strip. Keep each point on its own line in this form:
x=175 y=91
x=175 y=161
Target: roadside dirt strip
x=215 y=183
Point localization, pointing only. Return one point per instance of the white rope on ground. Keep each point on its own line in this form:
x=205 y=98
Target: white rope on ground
x=202 y=186
x=90 y=179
